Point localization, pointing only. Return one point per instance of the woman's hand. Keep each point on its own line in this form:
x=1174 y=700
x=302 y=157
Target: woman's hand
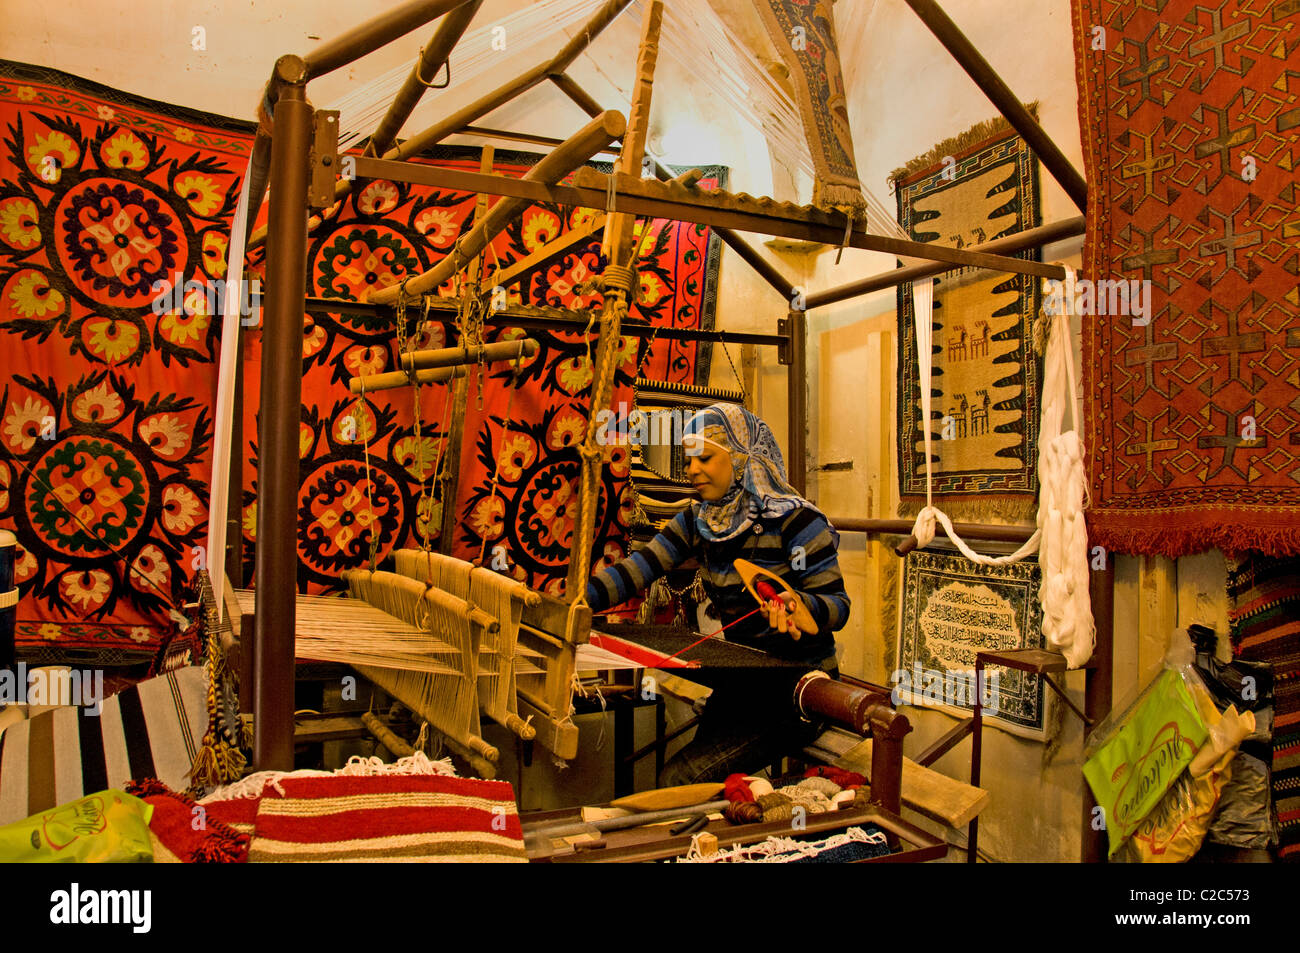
x=779 y=613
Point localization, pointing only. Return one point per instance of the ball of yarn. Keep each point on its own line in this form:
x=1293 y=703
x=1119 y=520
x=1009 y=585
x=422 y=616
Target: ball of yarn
x=759 y=786
x=743 y=812
x=823 y=785
x=737 y=789
x=843 y=799
x=776 y=807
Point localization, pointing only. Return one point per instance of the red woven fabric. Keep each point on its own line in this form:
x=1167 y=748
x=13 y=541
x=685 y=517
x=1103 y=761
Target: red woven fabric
x=187 y=830
x=1191 y=140
x=391 y=817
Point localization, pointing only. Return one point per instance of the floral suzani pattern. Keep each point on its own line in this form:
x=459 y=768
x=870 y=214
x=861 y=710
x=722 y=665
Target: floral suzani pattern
x=105 y=399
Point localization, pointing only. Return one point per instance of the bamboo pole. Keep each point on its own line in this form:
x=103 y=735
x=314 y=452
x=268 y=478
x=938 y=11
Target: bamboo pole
x=394 y=379
x=617 y=248
x=576 y=150
x=430 y=61
x=471 y=354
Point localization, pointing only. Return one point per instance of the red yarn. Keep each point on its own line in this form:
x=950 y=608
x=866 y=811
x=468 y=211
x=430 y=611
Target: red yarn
x=736 y=790
x=845 y=779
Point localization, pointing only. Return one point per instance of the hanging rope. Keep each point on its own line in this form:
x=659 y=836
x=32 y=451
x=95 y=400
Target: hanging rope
x=1061 y=533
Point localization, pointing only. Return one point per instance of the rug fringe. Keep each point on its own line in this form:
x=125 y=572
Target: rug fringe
x=958 y=143
x=1174 y=542
x=984 y=509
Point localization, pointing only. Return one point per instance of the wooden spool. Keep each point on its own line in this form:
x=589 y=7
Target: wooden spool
x=395 y=379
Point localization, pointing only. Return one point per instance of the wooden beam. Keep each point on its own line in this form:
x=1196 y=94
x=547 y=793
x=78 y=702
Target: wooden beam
x=427 y=66
x=991 y=84
x=577 y=149
x=374 y=33
x=548 y=251
x=714 y=208
x=617 y=249
x=1007 y=245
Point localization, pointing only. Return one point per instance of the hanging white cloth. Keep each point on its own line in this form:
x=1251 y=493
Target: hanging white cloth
x=222 y=451
x=1061 y=537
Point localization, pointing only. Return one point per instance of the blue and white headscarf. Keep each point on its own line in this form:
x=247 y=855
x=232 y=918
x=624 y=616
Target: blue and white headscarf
x=759 y=489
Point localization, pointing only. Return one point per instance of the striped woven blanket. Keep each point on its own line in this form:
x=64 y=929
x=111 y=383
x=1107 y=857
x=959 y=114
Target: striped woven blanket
x=393 y=818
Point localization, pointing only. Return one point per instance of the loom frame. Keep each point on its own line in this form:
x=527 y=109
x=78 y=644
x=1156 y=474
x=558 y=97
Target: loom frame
x=289 y=163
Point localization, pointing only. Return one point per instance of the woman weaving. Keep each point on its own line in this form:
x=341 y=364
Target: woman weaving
x=747 y=510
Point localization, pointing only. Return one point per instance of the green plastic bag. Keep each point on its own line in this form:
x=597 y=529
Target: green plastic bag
x=1138 y=760
x=104 y=828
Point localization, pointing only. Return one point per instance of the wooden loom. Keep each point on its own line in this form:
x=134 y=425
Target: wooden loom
x=285 y=138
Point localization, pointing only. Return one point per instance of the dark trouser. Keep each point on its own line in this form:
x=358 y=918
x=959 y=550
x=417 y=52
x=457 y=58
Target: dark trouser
x=747 y=725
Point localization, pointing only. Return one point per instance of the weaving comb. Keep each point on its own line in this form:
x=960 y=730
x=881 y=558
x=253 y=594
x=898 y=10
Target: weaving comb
x=751 y=575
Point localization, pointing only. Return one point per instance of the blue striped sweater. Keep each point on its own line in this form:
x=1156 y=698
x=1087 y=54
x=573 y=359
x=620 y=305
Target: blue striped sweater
x=800 y=548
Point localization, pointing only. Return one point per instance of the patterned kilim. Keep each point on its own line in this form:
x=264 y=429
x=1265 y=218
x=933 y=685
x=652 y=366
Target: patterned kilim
x=1265 y=624
x=803 y=32
x=1190 y=114
x=107 y=391
x=107 y=405
x=985 y=379
x=953 y=609
x=388 y=819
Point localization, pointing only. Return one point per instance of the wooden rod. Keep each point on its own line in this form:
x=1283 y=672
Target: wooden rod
x=991 y=84
x=750 y=256
x=470 y=354
x=430 y=61
x=797 y=400
x=1007 y=245
x=508 y=91
x=575 y=92
x=576 y=150
x=281 y=405
x=887 y=527
x=394 y=379
x=386 y=737
x=374 y=33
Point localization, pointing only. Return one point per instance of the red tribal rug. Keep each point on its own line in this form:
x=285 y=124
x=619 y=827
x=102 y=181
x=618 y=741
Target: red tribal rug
x=106 y=439
x=1190 y=114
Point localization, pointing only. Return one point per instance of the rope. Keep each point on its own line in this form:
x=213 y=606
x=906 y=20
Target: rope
x=496 y=473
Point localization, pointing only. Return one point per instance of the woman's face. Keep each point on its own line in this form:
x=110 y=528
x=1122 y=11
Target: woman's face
x=708 y=467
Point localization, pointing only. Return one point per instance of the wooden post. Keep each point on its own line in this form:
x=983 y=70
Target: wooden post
x=617 y=247
x=1098 y=690
x=797 y=400
x=280 y=412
